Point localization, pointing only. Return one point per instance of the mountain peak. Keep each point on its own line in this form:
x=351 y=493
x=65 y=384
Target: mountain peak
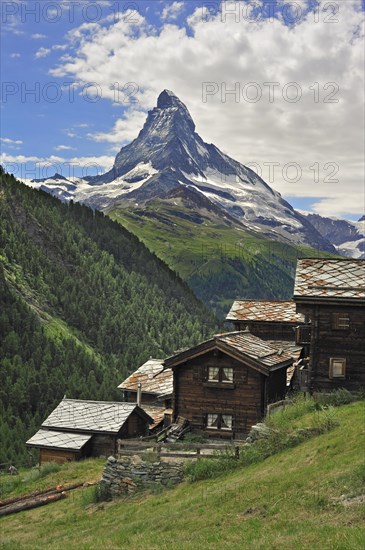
x=168 y=99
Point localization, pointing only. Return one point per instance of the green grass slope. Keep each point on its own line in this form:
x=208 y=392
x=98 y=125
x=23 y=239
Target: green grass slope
x=219 y=260
x=305 y=497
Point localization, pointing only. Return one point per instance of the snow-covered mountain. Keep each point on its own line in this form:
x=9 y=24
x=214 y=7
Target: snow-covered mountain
x=348 y=237
x=169 y=156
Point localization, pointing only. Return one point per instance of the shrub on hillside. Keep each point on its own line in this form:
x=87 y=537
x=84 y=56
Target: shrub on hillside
x=337 y=398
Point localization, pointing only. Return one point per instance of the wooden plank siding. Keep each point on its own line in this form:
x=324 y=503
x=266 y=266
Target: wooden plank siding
x=105 y=444
x=268 y=330
x=276 y=386
x=57 y=455
x=328 y=342
x=135 y=426
x=147 y=398
x=194 y=399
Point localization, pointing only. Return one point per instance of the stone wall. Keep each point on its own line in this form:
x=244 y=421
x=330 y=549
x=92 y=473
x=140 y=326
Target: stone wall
x=127 y=474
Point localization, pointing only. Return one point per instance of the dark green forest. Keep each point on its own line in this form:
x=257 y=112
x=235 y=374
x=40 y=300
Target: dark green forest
x=82 y=304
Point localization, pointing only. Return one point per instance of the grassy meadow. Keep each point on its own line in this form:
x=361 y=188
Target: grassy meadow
x=309 y=496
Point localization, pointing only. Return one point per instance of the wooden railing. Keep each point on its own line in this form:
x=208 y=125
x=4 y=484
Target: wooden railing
x=177 y=450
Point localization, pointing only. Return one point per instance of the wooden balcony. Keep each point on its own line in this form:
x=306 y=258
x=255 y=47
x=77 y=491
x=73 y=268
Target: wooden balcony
x=303 y=335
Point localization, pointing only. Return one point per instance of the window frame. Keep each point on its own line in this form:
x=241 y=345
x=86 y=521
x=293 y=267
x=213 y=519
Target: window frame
x=219 y=422
x=331 y=367
x=220 y=376
x=338 y=319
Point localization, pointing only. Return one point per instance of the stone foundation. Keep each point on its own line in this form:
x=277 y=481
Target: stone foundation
x=128 y=474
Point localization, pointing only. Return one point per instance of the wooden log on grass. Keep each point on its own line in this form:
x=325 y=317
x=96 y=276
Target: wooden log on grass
x=33 y=494
x=30 y=504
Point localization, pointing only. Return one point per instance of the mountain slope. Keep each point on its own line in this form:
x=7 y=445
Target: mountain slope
x=220 y=260
x=83 y=302
x=347 y=237
x=310 y=496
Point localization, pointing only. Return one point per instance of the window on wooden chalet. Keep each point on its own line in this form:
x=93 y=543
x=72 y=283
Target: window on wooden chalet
x=220 y=375
x=340 y=321
x=337 y=367
x=219 y=421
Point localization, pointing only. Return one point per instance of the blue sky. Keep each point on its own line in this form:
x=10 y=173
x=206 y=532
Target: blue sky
x=66 y=50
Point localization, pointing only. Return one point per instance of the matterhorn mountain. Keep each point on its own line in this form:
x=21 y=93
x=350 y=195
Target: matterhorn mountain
x=169 y=159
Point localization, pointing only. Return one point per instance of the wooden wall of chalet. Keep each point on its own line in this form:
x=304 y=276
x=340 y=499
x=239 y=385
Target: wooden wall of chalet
x=328 y=342
x=147 y=398
x=134 y=427
x=269 y=331
x=59 y=456
x=276 y=385
x=194 y=400
x=106 y=444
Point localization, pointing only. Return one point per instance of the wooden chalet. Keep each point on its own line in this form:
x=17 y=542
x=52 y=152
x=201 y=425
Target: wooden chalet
x=274 y=321
x=151 y=387
x=155 y=382
x=223 y=385
x=267 y=319
x=78 y=429
x=331 y=293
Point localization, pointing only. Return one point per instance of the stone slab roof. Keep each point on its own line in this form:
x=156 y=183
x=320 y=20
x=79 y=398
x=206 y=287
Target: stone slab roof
x=157 y=413
x=91 y=416
x=255 y=348
x=154 y=379
x=330 y=279
x=241 y=345
x=288 y=346
x=265 y=311
x=59 y=440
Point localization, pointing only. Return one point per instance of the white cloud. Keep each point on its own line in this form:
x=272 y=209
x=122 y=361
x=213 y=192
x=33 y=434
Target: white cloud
x=11 y=20
x=15 y=55
x=11 y=141
x=172 y=11
x=59 y=47
x=38 y=36
x=34 y=167
x=42 y=52
x=64 y=148
x=226 y=52
x=125 y=129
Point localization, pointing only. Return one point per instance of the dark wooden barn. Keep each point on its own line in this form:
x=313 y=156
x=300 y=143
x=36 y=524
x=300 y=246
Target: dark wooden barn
x=267 y=319
x=223 y=385
x=331 y=293
x=78 y=428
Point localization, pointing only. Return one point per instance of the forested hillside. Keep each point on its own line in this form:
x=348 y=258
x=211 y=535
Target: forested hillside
x=82 y=303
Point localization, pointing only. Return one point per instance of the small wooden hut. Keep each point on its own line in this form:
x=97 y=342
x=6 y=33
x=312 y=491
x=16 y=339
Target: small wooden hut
x=78 y=428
